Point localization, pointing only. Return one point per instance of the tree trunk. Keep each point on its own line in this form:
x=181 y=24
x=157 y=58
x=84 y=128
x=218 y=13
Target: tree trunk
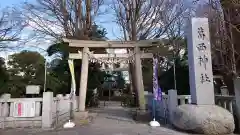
x=88 y=18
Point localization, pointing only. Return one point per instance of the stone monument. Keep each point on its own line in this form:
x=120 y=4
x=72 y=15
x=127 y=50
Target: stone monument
x=202 y=116
x=200 y=62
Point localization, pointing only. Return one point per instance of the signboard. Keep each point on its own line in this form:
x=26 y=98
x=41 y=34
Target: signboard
x=32 y=89
x=24 y=109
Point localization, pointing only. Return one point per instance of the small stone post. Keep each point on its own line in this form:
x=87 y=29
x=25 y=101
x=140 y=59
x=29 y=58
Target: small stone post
x=4 y=108
x=47 y=110
x=172 y=103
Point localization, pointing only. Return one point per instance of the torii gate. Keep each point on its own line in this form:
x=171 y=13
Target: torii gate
x=84 y=45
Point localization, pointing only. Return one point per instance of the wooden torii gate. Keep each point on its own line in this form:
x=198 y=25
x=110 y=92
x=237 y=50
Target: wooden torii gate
x=84 y=45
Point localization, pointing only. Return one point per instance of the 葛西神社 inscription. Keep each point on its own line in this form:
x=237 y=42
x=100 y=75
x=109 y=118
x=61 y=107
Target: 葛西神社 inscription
x=200 y=64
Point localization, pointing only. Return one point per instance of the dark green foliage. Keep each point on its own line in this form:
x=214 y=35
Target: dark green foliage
x=95 y=76
x=26 y=68
x=61 y=49
x=59 y=67
x=166 y=79
x=3 y=76
x=98 y=33
x=128 y=100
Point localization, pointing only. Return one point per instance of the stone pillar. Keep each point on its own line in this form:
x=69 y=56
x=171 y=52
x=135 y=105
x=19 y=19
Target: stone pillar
x=139 y=78
x=200 y=62
x=84 y=79
x=4 y=108
x=38 y=109
x=47 y=110
x=172 y=103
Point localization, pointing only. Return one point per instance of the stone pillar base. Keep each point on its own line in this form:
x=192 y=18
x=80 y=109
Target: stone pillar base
x=80 y=115
x=142 y=116
x=81 y=118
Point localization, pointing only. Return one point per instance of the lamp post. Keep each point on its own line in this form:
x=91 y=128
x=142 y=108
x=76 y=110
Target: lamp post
x=45 y=75
x=174 y=70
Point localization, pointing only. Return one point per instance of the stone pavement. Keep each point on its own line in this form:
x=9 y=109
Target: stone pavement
x=110 y=120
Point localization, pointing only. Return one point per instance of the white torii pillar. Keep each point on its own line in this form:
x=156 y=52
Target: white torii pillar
x=84 y=80
x=139 y=78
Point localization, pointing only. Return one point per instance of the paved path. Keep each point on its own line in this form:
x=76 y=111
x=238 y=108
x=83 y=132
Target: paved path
x=110 y=120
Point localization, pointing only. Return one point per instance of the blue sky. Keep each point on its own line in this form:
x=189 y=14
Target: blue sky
x=105 y=21
x=5 y=3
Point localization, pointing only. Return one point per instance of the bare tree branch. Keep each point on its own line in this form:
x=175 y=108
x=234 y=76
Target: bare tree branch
x=141 y=19
x=224 y=32
x=63 y=18
x=11 y=26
